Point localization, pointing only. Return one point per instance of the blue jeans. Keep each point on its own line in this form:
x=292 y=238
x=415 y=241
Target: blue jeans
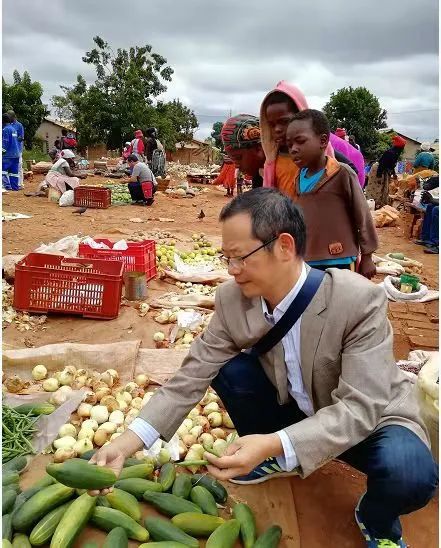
x=401 y=474
x=429 y=231
x=10 y=169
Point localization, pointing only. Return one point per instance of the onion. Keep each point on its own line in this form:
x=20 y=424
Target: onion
x=61 y=454
x=114 y=374
x=215 y=419
x=66 y=442
x=226 y=420
x=50 y=385
x=67 y=390
x=107 y=379
x=163 y=456
x=58 y=398
x=76 y=420
x=109 y=427
x=99 y=413
x=196 y=431
x=211 y=408
x=182 y=431
x=131 y=416
x=110 y=402
x=90 y=423
x=81 y=446
x=39 y=372
x=220 y=446
x=77 y=384
x=182 y=449
x=194 y=453
x=66 y=378
x=100 y=437
x=206 y=440
x=84 y=410
x=142 y=380
x=189 y=440
x=71 y=369
x=117 y=417
x=188 y=423
x=159 y=336
x=136 y=403
x=115 y=435
x=90 y=397
x=86 y=433
x=81 y=373
x=218 y=433
x=194 y=413
x=120 y=429
x=67 y=430
x=202 y=421
x=102 y=391
x=123 y=405
x=126 y=396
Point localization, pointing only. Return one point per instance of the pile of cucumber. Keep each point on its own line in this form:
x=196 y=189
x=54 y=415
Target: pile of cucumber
x=56 y=509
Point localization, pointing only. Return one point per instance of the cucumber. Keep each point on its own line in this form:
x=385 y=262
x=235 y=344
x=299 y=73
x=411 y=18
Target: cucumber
x=88 y=454
x=12 y=487
x=204 y=499
x=109 y=518
x=44 y=408
x=40 y=504
x=244 y=515
x=7 y=527
x=73 y=521
x=8 y=499
x=197 y=525
x=131 y=461
x=80 y=474
x=17 y=464
x=124 y=502
x=10 y=477
x=138 y=486
x=117 y=538
x=270 y=538
x=163 y=544
x=167 y=476
x=225 y=536
x=169 y=504
x=28 y=493
x=182 y=486
x=102 y=501
x=6 y=543
x=161 y=529
x=45 y=528
x=143 y=471
x=216 y=489
x=21 y=541
x=90 y=544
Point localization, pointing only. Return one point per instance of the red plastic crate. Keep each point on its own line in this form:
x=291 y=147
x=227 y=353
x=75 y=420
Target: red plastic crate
x=94 y=197
x=139 y=257
x=50 y=283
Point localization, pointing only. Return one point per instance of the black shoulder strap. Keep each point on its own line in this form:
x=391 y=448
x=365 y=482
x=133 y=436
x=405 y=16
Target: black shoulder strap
x=295 y=310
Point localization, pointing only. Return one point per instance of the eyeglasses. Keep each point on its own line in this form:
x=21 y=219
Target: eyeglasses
x=239 y=262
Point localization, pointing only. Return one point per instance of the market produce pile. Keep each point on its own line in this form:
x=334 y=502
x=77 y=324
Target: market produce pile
x=203 y=253
x=22 y=320
x=57 y=508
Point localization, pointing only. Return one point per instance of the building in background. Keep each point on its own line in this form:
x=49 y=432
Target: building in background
x=193 y=152
x=50 y=130
x=412 y=145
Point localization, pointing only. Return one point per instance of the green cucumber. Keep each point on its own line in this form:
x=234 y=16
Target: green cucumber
x=8 y=499
x=80 y=474
x=20 y=541
x=102 y=501
x=88 y=454
x=161 y=529
x=44 y=408
x=17 y=464
x=7 y=527
x=6 y=543
x=225 y=536
x=109 y=518
x=270 y=538
x=197 y=525
x=40 y=504
x=218 y=491
x=169 y=504
x=244 y=515
x=73 y=521
x=90 y=544
x=167 y=476
x=182 y=486
x=117 y=538
x=45 y=528
x=10 y=477
x=204 y=499
x=124 y=502
x=164 y=544
x=138 y=486
x=28 y=493
x=143 y=471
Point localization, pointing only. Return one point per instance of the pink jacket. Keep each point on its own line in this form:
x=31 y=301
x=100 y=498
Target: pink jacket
x=271 y=150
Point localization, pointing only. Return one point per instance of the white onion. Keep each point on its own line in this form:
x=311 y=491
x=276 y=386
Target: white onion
x=99 y=413
x=215 y=419
x=67 y=390
x=196 y=431
x=109 y=427
x=211 y=408
x=84 y=410
x=50 y=385
x=226 y=420
x=220 y=446
x=86 y=433
x=81 y=446
x=66 y=378
x=142 y=380
x=218 y=433
x=117 y=417
x=58 y=398
x=67 y=430
x=90 y=423
x=66 y=442
x=39 y=372
x=136 y=403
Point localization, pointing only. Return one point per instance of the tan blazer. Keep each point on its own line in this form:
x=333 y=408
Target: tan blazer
x=347 y=363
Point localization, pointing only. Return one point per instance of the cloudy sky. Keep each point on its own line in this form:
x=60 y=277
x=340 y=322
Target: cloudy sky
x=227 y=55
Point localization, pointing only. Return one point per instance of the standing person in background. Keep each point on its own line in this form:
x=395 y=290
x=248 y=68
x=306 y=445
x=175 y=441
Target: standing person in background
x=138 y=146
x=154 y=152
x=68 y=141
x=353 y=142
x=127 y=150
x=424 y=159
x=341 y=132
x=381 y=173
x=239 y=181
x=11 y=155
x=20 y=136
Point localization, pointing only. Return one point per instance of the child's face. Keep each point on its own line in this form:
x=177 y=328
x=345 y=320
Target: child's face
x=248 y=160
x=279 y=115
x=304 y=145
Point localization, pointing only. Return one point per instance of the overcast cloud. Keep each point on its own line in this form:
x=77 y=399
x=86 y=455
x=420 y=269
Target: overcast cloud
x=228 y=55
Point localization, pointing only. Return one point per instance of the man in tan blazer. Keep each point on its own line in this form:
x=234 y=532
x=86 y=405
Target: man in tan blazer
x=329 y=389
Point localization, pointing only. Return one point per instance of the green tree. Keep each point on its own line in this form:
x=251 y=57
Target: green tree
x=23 y=96
x=360 y=113
x=121 y=99
x=216 y=134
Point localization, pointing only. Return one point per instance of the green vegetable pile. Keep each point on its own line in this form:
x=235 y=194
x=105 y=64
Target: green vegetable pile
x=17 y=430
x=120 y=194
x=55 y=510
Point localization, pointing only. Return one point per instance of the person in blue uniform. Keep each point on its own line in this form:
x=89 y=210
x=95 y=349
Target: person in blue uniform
x=11 y=155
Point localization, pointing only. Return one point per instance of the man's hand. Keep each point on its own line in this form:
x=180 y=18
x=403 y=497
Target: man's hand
x=114 y=455
x=244 y=455
x=367 y=267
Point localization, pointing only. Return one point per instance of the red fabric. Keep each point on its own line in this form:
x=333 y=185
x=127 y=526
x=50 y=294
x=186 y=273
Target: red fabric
x=147 y=189
x=138 y=133
x=398 y=141
x=340 y=132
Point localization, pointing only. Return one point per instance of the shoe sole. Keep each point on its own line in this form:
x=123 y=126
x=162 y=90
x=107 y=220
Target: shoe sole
x=264 y=478
x=360 y=524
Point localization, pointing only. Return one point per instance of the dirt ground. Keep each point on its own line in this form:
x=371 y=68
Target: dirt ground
x=325 y=500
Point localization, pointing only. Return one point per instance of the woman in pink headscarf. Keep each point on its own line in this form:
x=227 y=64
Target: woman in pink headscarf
x=138 y=146
x=275 y=114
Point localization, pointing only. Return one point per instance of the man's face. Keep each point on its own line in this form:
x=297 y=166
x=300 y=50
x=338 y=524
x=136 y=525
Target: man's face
x=279 y=115
x=248 y=160
x=304 y=145
x=258 y=272
x=131 y=164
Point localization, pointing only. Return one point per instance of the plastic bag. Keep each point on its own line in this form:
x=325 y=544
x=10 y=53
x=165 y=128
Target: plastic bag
x=121 y=245
x=397 y=295
x=189 y=320
x=67 y=199
x=172 y=447
x=428 y=397
x=93 y=244
x=68 y=247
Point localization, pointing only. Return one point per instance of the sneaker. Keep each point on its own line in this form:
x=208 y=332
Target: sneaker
x=432 y=250
x=421 y=242
x=267 y=470
x=372 y=542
